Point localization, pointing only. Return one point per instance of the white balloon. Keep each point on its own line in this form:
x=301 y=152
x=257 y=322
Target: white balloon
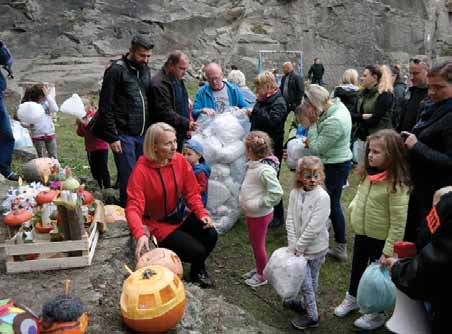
x=30 y=112
x=73 y=106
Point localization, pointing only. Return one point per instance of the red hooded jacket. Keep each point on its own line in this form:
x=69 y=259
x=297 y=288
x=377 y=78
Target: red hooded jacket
x=145 y=192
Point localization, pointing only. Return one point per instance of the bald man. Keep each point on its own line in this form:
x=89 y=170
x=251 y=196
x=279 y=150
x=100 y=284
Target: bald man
x=217 y=95
x=292 y=86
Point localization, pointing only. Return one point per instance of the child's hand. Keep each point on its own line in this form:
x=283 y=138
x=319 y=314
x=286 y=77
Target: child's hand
x=382 y=260
x=297 y=253
x=78 y=122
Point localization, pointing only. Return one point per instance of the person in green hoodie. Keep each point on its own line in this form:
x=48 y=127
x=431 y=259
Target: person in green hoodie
x=329 y=127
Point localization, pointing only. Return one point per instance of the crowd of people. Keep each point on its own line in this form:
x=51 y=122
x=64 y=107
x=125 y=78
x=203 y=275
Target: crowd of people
x=398 y=139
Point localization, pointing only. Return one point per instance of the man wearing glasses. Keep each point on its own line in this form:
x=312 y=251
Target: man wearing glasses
x=415 y=96
x=218 y=95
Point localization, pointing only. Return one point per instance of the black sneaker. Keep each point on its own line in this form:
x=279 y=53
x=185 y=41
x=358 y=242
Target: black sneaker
x=303 y=322
x=294 y=305
x=202 y=278
x=13 y=177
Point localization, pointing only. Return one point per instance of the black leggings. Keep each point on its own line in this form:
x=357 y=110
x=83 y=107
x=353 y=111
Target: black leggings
x=192 y=243
x=365 y=250
x=98 y=162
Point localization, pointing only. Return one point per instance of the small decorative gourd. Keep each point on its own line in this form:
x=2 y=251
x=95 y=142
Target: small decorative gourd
x=162 y=257
x=46 y=196
x=70 y=183
x=152 y=300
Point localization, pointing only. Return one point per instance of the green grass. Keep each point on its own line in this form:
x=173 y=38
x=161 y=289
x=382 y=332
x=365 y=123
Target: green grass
x=233 y=255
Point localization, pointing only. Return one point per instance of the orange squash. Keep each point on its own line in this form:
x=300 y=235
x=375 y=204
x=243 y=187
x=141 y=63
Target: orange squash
x=152 y=300
x=162 y=257
x=17 y=217
x=70 y=327
x=46 y=196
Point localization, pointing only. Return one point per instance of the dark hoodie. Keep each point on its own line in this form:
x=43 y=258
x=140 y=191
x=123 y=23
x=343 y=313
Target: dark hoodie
x=428 y=276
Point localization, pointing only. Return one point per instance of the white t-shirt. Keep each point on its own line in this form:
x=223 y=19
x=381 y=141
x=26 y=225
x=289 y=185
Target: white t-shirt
x=221 y=100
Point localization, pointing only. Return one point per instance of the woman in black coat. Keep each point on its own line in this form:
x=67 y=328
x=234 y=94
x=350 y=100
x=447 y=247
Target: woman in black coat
x=269 y=115
x=430 y=149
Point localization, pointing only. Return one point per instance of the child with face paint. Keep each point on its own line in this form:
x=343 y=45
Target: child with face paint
x=43 y=132
x=259 y=193
x=307 y=234
x=377 y=214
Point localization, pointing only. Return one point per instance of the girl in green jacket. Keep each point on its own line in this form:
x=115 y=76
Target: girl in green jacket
x=377 y=214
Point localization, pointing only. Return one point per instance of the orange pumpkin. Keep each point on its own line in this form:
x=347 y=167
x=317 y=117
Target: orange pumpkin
x=114 y=213
x=46 y=196
x=162 y=257
x=70 y=327
x=152 y=300
x=17 y=217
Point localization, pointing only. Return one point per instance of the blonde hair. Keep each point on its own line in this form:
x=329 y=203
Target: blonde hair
x=317 y=96
x=153 y=134
x=237 y=77
x=265 y=79
x=259 y=143
x=309 y=162
x=350 y=76
x=386 y=81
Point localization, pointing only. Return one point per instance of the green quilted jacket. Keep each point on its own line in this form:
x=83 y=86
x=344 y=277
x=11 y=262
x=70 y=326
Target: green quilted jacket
x=378 y=212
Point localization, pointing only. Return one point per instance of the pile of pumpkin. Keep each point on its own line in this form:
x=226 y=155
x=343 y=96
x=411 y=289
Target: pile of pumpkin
x=40 y=213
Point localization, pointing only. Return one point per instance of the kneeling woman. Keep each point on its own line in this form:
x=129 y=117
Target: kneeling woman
x=158 y=186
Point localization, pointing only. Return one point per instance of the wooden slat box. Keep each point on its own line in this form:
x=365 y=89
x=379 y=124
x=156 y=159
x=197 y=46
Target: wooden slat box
x=54 y=255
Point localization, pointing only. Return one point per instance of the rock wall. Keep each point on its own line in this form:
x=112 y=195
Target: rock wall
x=69 y=42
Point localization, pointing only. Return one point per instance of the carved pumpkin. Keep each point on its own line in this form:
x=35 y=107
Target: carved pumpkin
x=152 y=300
x=46 y=196
x=71 y=327
x=17 y=217
x=114 y=213
x=37 y=170
x=162 y=257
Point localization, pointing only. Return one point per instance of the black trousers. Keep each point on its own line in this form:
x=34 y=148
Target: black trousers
x=98 y=162
x=365 y=250
x=192 y=243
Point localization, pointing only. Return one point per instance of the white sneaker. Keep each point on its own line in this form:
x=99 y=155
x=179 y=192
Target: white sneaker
x=348 y=304
x=370 y=321
x=256 y=280
x=249 y=274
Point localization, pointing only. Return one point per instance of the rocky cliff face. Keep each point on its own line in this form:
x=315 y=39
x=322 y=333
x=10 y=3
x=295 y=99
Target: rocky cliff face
x=69 y=42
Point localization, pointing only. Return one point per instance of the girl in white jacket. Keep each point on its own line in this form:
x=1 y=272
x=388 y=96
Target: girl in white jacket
x=259 y=193
x=307 y=234
x=43 y=132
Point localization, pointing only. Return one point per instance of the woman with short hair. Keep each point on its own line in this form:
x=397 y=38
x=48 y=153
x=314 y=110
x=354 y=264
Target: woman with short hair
x=330 y=125
x=237 y=77
x=161 y=182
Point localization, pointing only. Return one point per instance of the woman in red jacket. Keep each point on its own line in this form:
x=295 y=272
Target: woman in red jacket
x=160 y=183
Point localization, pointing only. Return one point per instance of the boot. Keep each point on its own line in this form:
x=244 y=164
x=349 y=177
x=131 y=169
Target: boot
x=339 y=252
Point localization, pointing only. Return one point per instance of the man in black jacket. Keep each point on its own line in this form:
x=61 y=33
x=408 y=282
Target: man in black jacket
x=416 y=96
x=123 y=115
x=316 y=72
x=428 y=276
x=169 y=96
x=292 y=86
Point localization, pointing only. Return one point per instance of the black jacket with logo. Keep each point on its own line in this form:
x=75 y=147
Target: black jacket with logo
x=123 y=102
x=295 y=89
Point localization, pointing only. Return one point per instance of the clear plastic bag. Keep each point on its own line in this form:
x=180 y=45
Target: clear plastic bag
x=295 y=150
x=285 y=272
x=21 y=136
x=376 y=291
x=227 y=128
x=231 y=152
x=218 y=194
x=30 y=112
x=74 y=106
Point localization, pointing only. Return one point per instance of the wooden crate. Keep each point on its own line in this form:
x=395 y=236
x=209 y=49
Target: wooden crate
x=54 y=255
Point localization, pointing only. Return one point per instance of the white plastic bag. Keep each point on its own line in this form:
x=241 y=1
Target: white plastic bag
x=219 y=171
x=30 y=112
x=231 y=152
x=73 y=106
x=218 y=194
x=359 y=151
x=285 y=272
x=227 y=128
x=21 y=136
x=295 y=150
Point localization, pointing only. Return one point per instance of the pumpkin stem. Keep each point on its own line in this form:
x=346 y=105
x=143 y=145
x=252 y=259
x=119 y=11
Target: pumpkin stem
x=148 y=273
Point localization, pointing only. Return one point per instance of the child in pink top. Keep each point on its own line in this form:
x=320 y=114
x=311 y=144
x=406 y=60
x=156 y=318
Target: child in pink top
x=96 y=149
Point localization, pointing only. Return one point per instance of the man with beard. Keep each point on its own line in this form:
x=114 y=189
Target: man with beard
x=123 y=115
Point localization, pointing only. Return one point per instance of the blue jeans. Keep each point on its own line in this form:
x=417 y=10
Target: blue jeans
x=6 y=140
x=132 y=149
x=335 y=179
